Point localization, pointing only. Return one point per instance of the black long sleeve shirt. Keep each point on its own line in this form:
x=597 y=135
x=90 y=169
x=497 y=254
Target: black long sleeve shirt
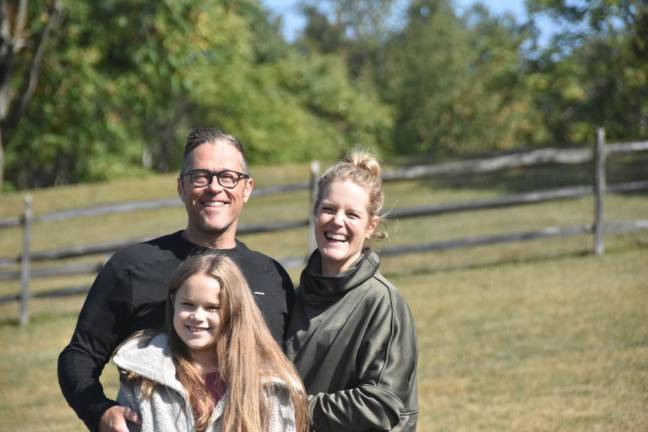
x=129 y=294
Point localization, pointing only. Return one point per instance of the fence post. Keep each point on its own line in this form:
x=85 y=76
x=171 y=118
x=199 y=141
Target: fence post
x=26 y=223
x=599 y=191
x=314 y=177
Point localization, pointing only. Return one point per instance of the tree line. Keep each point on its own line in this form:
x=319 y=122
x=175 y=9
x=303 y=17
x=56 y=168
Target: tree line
x=98 y=90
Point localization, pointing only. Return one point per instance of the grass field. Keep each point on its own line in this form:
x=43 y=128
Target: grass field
x=534 y=336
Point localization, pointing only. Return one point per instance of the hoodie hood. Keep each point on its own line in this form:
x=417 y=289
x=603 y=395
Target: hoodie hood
x=317 y=290
x=149 y=357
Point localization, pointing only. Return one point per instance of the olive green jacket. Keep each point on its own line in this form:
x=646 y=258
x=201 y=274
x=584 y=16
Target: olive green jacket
x=353 y=342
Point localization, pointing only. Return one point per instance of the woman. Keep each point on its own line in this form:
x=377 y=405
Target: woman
x=217 y=368
x=352 y=336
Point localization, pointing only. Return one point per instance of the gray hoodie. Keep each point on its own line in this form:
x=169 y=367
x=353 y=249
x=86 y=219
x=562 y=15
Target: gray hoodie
x=168 y=408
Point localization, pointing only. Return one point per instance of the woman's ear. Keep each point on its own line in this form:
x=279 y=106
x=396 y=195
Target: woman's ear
x=371 y=227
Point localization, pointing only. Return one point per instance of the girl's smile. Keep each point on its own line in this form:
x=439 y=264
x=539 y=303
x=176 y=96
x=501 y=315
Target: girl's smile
x=197 y=316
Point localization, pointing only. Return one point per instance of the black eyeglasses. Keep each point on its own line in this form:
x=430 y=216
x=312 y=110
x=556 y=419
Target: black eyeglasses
x=226 y=178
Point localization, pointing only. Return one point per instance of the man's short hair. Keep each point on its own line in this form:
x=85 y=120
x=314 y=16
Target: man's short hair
x=199 y=136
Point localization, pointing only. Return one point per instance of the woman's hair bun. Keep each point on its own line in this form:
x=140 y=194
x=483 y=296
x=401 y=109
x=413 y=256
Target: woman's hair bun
x=364 y=160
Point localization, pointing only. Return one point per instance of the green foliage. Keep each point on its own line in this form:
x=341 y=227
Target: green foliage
x=70 y=130
x=124 y=80
x=456 y=83
x=596 y=73
x=475 y=83
x=356 y=30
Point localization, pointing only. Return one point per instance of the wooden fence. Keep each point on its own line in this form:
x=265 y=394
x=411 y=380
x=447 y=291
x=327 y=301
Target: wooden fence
x=597 y=228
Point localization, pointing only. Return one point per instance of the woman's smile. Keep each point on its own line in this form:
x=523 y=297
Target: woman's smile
x=342 y=224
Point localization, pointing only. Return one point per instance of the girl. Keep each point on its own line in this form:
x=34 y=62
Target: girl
x=217 y=368
x=351 y=335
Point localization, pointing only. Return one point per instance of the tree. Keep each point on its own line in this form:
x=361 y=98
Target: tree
x=456 y=83
x=355 y=29
x=126 y=79
x=74 y=129
x=18 y=81
x=594 y=72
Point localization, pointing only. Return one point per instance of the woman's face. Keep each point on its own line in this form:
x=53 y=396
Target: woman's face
x=342 y=224
x=197 y=315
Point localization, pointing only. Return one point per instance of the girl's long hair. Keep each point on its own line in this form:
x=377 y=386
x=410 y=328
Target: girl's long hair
x=246 y=353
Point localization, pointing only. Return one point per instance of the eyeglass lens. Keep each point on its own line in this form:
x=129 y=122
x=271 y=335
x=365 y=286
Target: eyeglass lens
x=201 y=178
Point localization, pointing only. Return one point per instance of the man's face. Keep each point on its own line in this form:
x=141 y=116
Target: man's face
x=213 y=211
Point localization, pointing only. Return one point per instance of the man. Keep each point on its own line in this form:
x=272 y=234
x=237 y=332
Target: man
x=129 y=292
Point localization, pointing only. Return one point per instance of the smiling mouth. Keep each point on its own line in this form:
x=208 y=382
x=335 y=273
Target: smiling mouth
x=213 y=203
x=335 y=237
x=193 y=329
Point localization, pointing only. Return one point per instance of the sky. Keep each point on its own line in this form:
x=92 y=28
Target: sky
x=293 y=22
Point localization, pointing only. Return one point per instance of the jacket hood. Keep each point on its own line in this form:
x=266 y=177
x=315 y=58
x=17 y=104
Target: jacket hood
x=318 y=290
x=149 y=357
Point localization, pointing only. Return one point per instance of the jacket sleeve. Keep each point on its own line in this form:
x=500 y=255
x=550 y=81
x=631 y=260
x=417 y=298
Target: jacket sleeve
x=102 y=324
x=127 y=397
x=386 y=376
x=281 y=413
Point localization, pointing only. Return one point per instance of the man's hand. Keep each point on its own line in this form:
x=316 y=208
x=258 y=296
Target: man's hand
x=115 y=417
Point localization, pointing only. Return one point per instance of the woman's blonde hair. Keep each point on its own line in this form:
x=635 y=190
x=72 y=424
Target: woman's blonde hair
x=362 y=168
x=246 y=352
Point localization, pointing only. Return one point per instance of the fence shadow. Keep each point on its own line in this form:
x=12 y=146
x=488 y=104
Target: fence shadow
x=9 y=322
x=44 y=317
x=530 y=258
x=423 y=270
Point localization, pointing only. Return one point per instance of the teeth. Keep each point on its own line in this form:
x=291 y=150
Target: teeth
x=336 y=237
x=214 y=204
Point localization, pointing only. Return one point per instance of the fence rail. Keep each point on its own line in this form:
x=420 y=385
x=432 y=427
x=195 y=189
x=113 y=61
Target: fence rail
x=475 y=166
x=132 y=206
x=598 y=228
x=544 y=156
x=537 y=197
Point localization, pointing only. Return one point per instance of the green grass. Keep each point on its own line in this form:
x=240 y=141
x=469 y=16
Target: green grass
x=532 y=336
x=549 y=345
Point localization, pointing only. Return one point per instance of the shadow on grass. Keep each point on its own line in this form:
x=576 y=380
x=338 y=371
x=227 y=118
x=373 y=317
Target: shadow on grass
x=9 y=322
x=531 y=258
x=538 y=258
x=40 y=318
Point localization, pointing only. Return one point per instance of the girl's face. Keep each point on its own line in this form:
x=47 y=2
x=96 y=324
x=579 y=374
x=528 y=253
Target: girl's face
x=197 y=315
x=342 y=224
